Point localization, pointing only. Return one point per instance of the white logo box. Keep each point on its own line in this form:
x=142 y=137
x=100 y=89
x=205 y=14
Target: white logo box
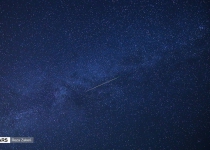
x=4 y=140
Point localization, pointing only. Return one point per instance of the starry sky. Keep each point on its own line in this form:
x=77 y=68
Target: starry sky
x=53 y=52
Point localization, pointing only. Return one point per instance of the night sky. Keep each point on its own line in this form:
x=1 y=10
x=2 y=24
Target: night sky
x=155 y=53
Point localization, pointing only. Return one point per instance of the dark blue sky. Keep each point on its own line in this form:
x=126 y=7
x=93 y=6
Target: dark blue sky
x=52 y=52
